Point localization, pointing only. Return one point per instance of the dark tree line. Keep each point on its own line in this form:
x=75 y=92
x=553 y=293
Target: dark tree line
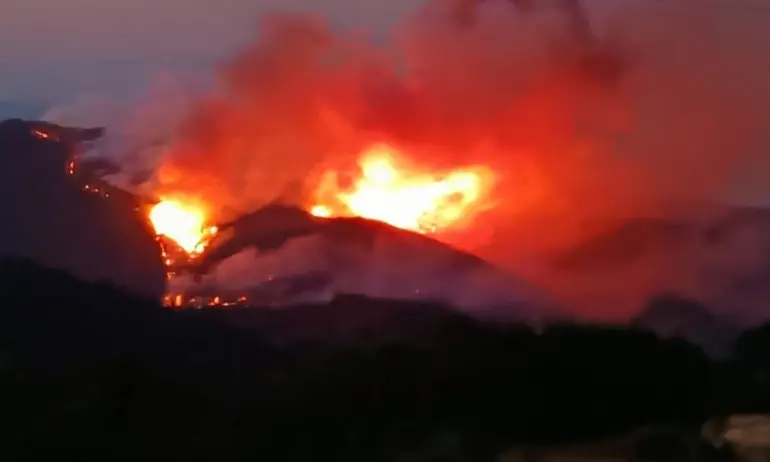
x=87 y=371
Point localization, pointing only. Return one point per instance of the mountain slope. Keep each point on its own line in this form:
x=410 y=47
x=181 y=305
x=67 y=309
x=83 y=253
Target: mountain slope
x=47 y=217
x=355 y=255
x=721 y=258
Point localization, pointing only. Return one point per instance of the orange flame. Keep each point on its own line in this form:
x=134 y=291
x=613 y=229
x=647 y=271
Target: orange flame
x=41 y=134
x=407 y=199
x=384 y=190
x=182 y=222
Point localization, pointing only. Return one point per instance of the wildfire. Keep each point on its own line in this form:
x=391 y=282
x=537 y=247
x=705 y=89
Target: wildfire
x=182 y=222
x=383 y=189
x=407 y=199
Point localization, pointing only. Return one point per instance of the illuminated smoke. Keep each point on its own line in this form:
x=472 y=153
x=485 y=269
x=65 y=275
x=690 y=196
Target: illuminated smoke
x=569 y=154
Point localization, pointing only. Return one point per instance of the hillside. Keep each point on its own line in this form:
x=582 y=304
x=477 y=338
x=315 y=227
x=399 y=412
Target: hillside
x=50 y=220
x=720 y=258
x=282 y=254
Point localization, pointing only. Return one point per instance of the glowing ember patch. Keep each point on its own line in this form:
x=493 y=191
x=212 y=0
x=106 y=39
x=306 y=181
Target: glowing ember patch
x=321 y=211
x=183 y=223
x=401 y=197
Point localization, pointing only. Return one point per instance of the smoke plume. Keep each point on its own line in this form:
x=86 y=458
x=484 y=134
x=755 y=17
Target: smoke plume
x=505 y=92
x=571 y=151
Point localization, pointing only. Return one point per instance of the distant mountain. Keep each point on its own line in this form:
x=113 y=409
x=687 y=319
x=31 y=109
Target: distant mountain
x=638 y=237
x=720 y=257
x=672 y=316
x=625 y=243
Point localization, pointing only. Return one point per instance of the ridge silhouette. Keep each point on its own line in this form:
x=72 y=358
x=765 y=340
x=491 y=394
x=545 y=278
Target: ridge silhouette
x=49 y=219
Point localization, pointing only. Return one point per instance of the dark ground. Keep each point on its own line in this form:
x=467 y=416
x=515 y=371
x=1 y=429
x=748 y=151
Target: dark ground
x=89 y=371
x=93 y=369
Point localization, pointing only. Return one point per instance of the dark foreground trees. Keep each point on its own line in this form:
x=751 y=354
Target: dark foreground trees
x=89 y=372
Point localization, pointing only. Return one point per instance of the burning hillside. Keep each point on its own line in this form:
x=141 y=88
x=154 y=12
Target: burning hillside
x=513 y=133
x=345 y=129
x=305 y=93
x=384 y=189
x=379 y=189
x=417 y=201
x=57 y=225
x=514 y=104
x=190 y=243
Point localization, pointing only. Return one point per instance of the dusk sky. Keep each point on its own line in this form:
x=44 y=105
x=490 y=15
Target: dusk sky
x=51 y=51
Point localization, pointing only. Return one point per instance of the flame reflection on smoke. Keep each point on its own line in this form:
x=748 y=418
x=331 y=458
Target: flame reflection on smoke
x=574 y=156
